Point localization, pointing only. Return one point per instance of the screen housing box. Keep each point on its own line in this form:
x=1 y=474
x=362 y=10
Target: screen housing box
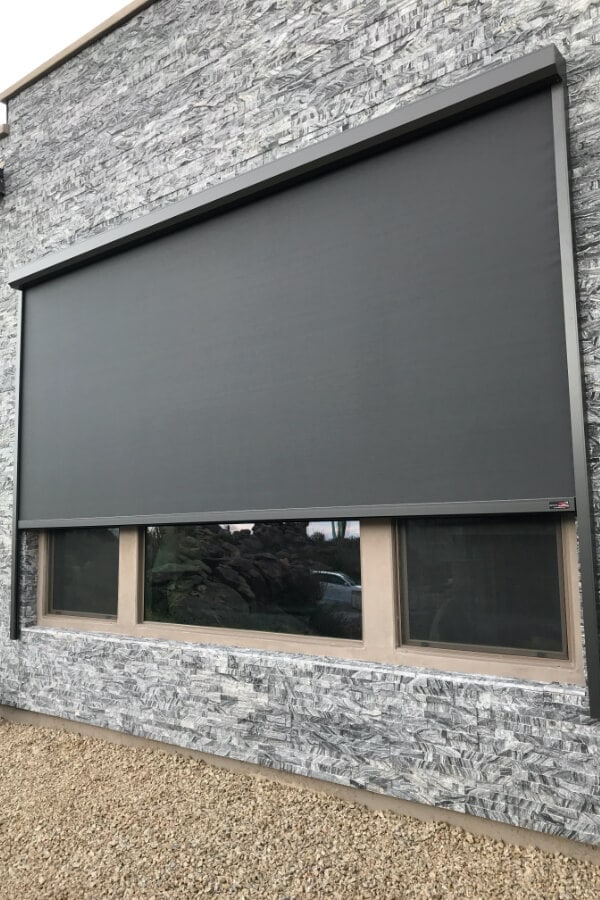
x=385 y=340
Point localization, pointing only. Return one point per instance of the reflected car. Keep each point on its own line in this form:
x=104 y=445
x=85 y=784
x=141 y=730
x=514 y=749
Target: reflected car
x=339 y=588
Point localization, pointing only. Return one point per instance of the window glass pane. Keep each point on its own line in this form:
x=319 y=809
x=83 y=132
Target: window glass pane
x=85 y=571
x=484 y=582
x=288 y=577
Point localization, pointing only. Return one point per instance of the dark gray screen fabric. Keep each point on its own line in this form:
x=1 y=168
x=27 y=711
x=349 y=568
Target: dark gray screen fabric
x=389 y=333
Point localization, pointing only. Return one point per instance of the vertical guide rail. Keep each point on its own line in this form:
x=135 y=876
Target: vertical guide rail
x=15 y=573
x=575 y=375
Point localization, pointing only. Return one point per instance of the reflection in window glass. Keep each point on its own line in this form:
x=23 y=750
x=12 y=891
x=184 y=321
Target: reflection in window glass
x=84 y=571
x=287 y=577
x=491 y=583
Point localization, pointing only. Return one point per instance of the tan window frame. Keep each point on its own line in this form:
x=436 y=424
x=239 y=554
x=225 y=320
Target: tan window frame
x=381 y=641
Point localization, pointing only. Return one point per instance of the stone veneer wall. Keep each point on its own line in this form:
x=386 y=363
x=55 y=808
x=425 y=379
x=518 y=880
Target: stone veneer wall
x=180 y=97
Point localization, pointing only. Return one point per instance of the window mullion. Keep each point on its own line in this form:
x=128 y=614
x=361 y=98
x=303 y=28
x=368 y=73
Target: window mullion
x=43 y=574
x=378 y=581
x=130 y=543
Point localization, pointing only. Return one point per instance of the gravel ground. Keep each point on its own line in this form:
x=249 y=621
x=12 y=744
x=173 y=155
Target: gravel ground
x=80 y=818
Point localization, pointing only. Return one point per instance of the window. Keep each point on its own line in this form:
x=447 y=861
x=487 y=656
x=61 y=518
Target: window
x=263 y=576
x=483 y=595
x=490 y=583
x=84 y=571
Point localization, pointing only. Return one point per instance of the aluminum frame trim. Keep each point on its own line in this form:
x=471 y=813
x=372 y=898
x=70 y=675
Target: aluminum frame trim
x=14 y=627
x=534 y=70
x=577 y=398
x=390 y=510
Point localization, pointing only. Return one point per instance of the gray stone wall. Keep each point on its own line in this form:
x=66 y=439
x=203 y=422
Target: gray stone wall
x=185 y=95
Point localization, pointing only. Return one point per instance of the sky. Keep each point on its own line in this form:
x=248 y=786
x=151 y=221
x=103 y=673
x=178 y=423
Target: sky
x=32 y=31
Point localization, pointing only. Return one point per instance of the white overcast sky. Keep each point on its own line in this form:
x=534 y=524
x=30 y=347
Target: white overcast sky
x=32 y=31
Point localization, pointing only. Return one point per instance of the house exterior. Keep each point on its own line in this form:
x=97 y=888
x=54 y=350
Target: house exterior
x=436 y=643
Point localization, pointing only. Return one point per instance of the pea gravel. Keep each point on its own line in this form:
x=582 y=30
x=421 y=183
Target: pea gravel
x=81 y=818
